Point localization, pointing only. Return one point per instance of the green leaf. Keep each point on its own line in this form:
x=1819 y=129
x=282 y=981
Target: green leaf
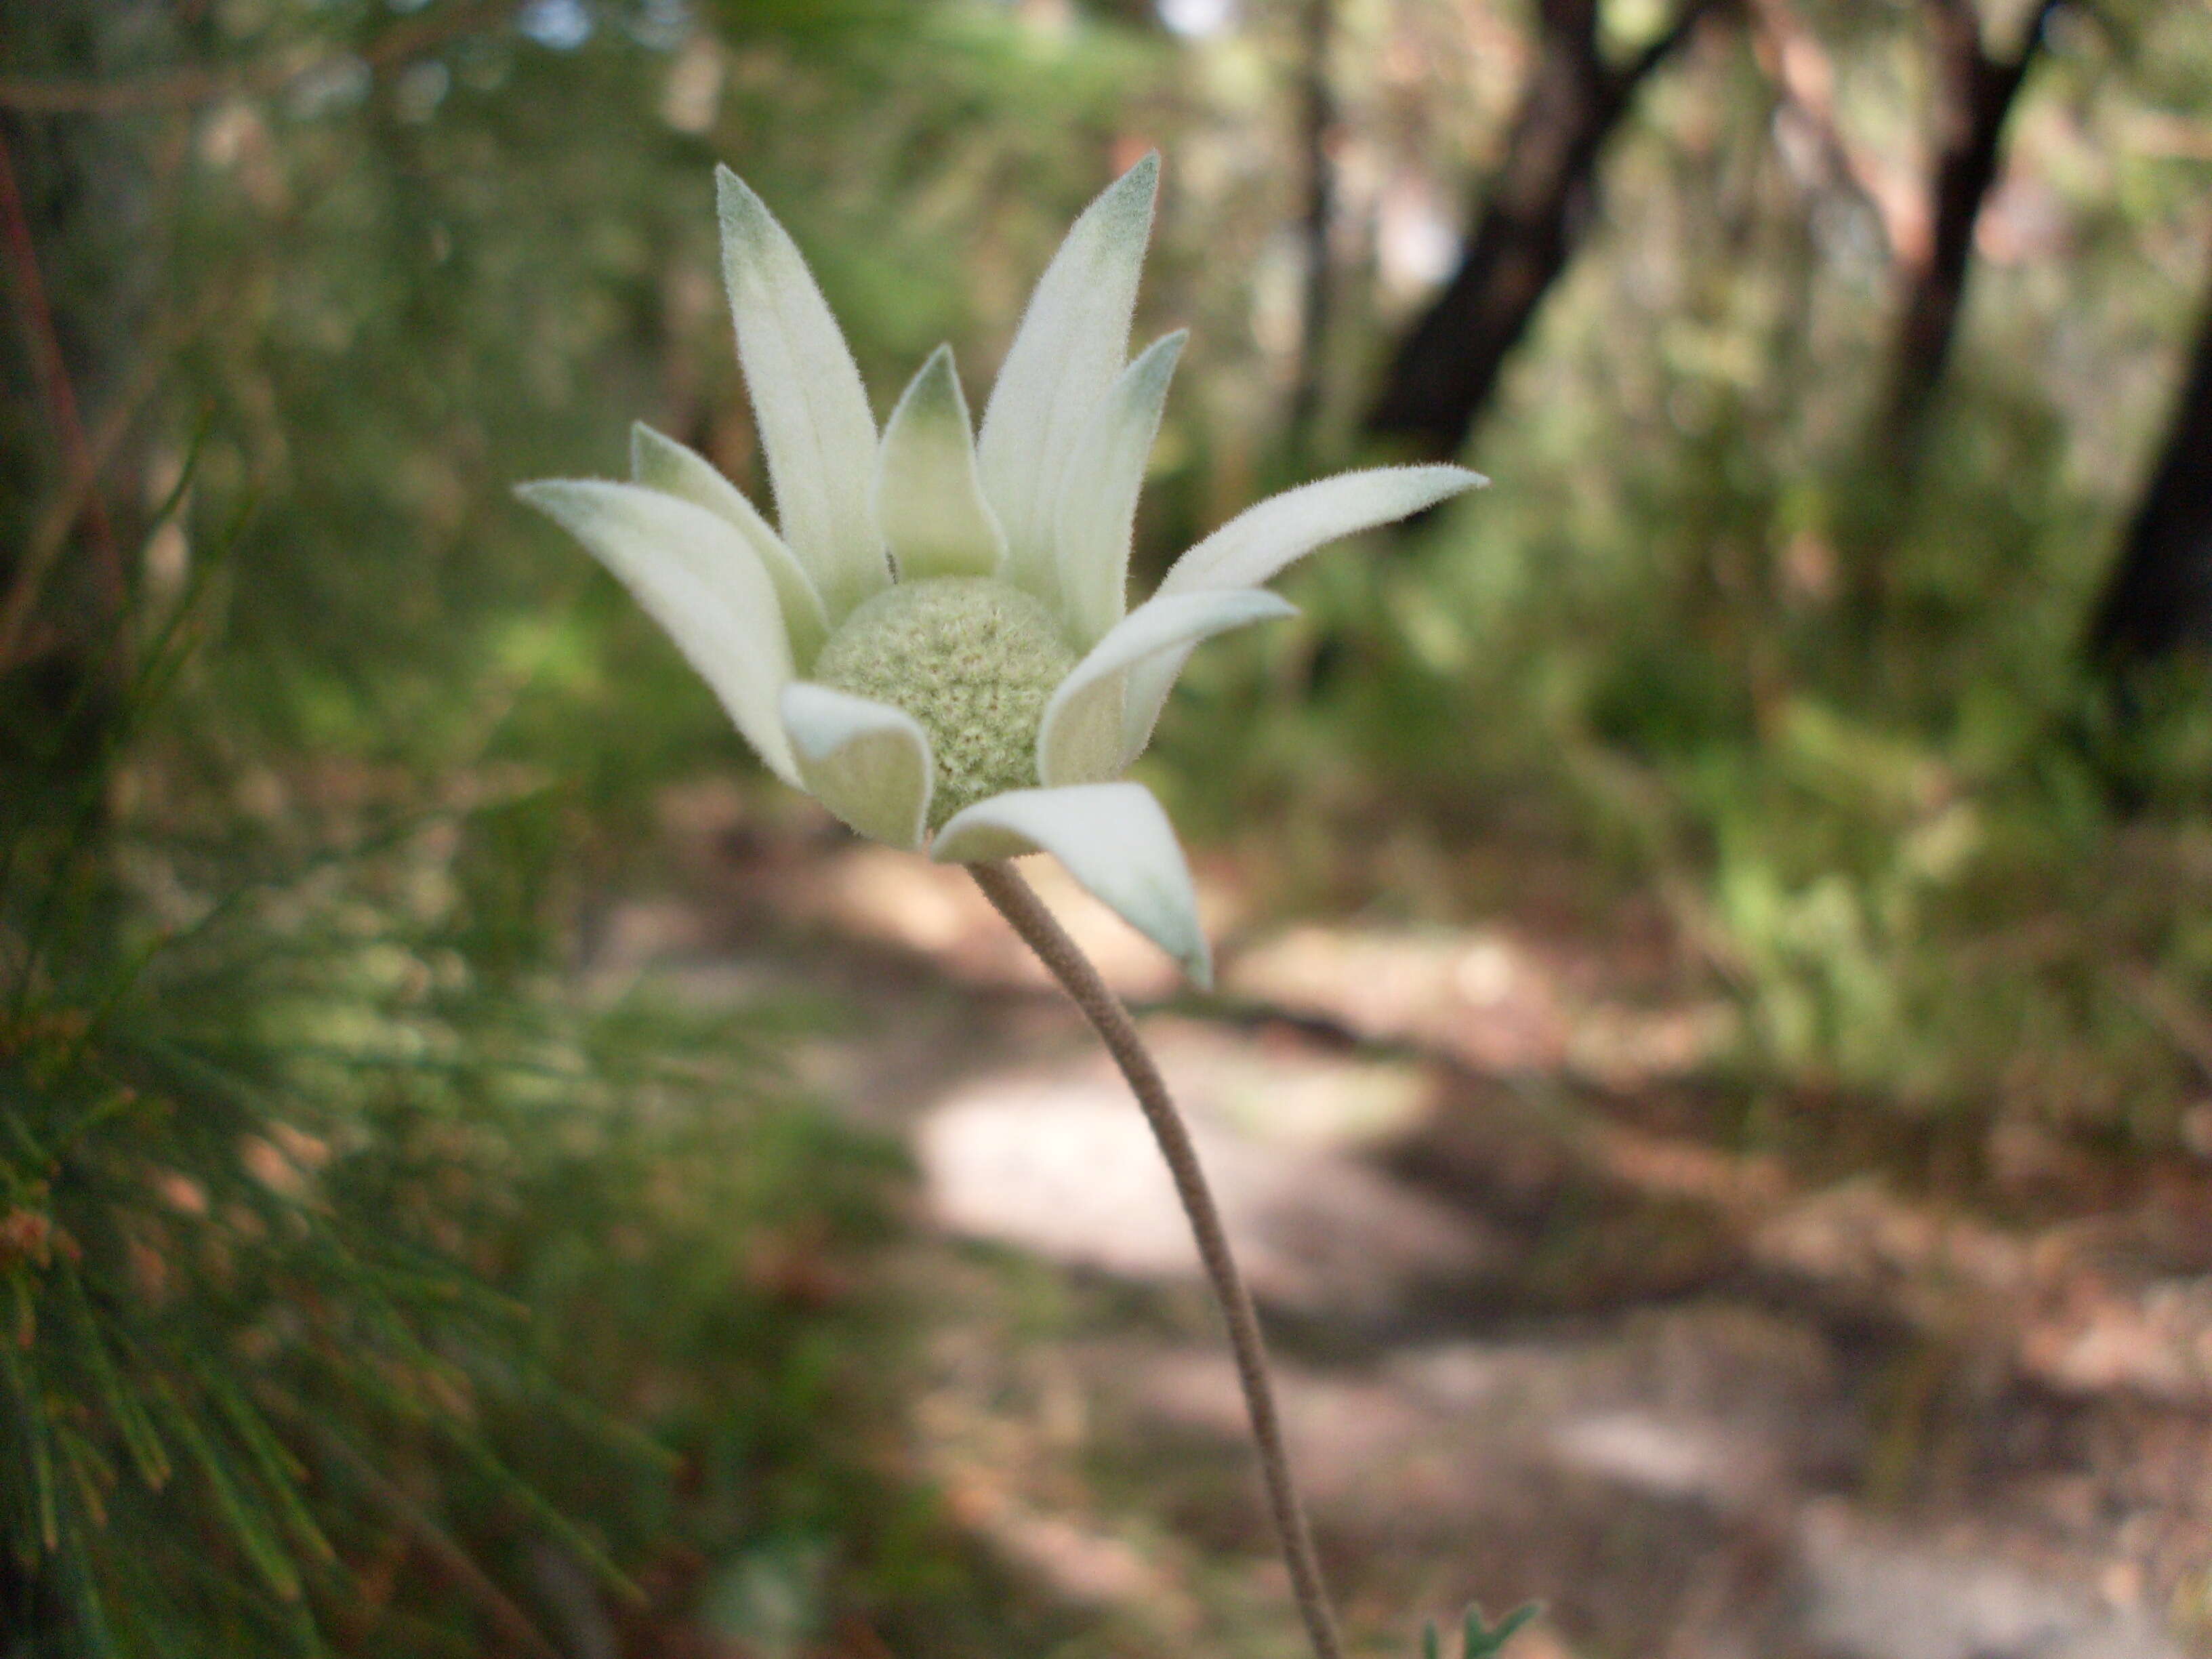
x=123 y=1409
x=38 y=1448
x=91 y=1471
x=263 y=1547
x=1484 y=1640
x=280 y=1472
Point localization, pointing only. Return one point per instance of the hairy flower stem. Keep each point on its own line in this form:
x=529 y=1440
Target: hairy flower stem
x=1026 y=912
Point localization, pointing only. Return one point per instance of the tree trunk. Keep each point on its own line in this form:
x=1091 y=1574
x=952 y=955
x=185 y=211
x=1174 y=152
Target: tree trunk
x=64 y=183
x=1317 y=123
x=1977 y=93
x=1525 y=230
x=2160 y=598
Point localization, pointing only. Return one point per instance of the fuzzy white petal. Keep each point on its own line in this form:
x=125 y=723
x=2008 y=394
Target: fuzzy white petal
x=928 y=503
x=1258 y=542
x=660 y=463
x=699 y=580
x=1115 y=842
x=808 y=402
x=1084 y=734
x=866 y=761
x=1097 y=503
x=1255 y=545
x=1068 y=351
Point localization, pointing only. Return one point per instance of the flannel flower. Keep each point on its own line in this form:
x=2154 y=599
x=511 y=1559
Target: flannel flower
x=935 y=646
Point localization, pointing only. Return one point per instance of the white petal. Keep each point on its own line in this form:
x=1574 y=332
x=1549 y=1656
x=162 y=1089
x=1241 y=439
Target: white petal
x=697 y=578
x=1255 y=545
x=866 y=761
x=1098 y=494
x=808 y=402
x=1083 y=736
x=1070 y=347
x=1252 y=547
x=660 y=463
x=928 y=503
x=1115 y=842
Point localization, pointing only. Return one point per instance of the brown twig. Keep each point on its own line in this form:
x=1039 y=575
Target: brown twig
x=1794 y=60
x=18 y=604
x=449 y=1557
x=1026 y=912
x=53 y=372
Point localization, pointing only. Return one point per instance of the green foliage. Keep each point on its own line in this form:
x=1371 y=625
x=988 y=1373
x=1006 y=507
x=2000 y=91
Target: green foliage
x=335 y=1239
x=1706 y=633
x=347 y=1250
x=368 y=1287
x=1479 y=1638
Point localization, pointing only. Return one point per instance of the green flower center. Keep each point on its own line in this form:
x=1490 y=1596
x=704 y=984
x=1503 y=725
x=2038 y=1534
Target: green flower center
x=973 y=660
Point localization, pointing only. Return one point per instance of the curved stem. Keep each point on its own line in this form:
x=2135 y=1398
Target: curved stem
x=1026 y=912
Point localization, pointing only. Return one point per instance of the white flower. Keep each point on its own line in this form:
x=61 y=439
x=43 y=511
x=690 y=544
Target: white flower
x=934 y=645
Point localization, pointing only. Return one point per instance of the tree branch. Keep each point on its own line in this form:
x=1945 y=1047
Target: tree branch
x=1799 y=69
x=1527 y=229
x=1981 y=91
x=52 y=371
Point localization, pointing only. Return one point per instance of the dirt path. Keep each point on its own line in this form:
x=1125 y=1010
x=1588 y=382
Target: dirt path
x=1552 y=1321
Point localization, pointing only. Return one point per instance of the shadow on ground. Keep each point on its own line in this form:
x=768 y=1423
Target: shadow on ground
x=1554 y=1320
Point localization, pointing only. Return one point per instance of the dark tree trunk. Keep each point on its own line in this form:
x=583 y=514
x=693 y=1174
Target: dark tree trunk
x=1977 y=93
x=1317 y=123
x=2160 y=598
x=1525 y=230
x=66 y=186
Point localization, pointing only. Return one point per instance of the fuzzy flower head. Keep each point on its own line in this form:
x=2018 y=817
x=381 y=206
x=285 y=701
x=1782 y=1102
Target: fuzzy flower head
x=935 y=644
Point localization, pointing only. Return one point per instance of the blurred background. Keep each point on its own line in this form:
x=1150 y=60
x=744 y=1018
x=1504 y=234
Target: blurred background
x=1714 y=1071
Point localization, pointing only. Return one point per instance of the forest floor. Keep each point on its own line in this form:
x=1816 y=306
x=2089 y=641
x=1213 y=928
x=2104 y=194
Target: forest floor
x=1563 y=1308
